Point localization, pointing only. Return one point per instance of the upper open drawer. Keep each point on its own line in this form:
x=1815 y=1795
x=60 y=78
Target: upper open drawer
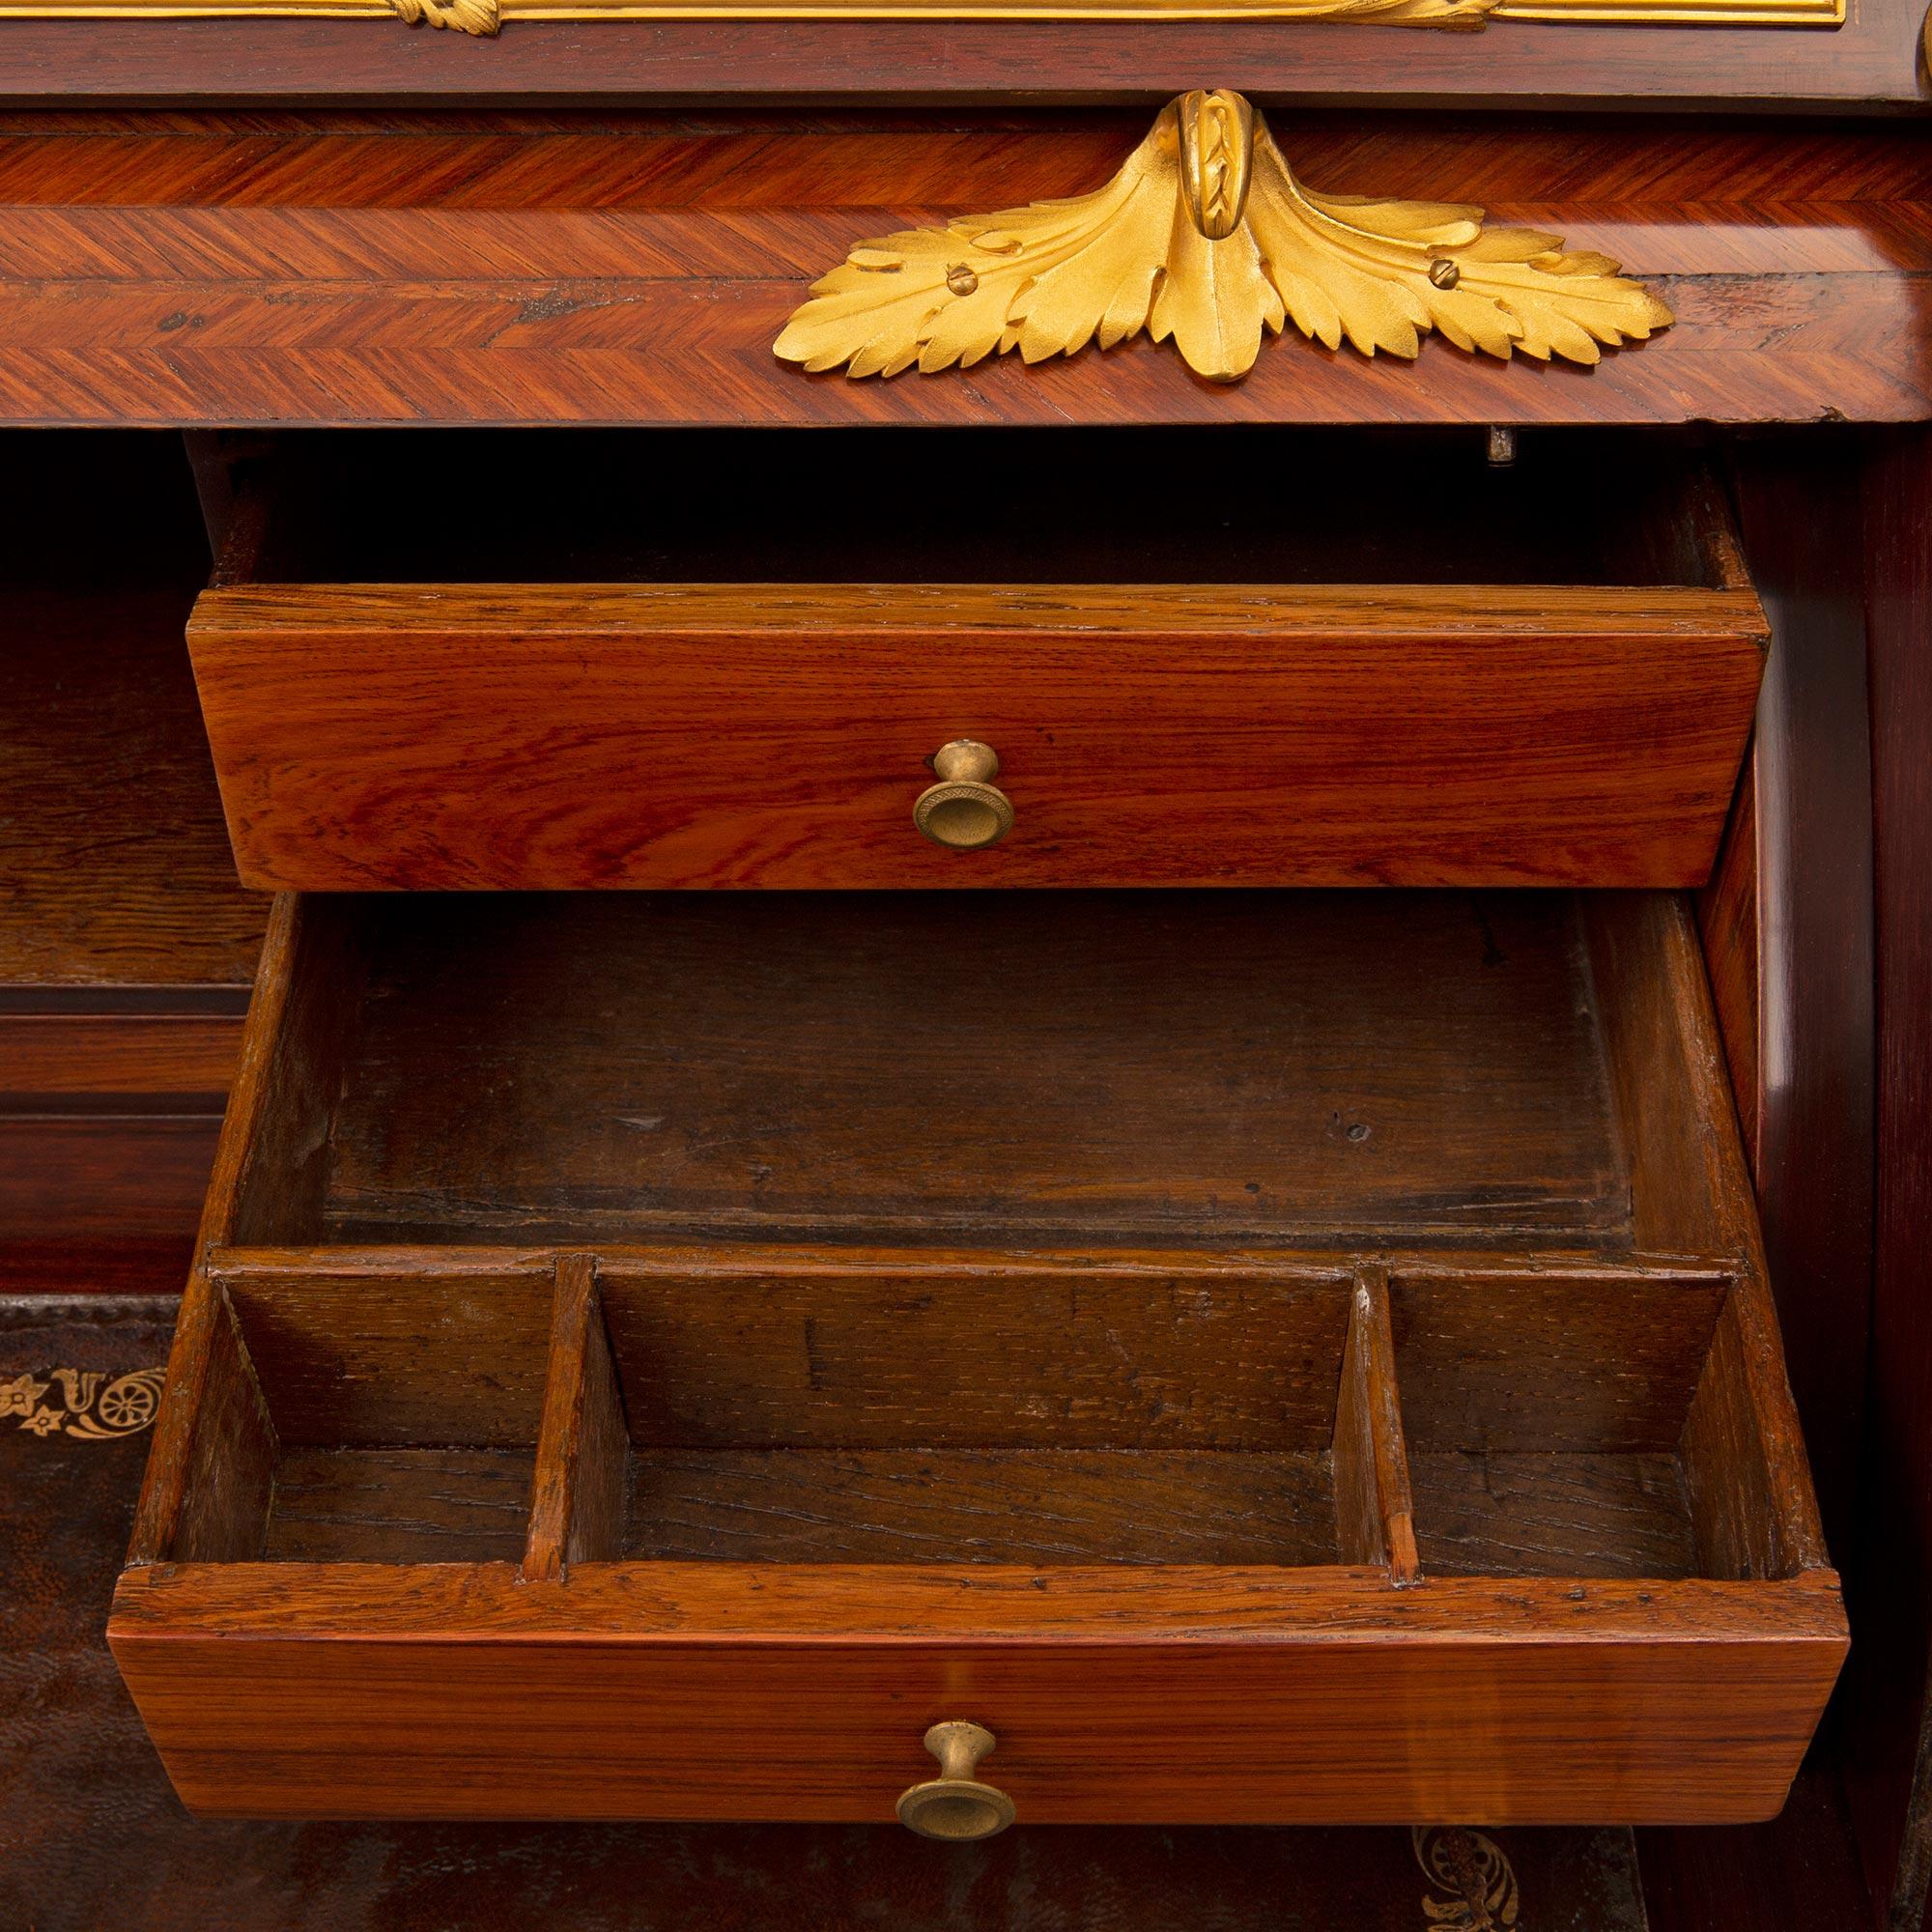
x=1267 y=658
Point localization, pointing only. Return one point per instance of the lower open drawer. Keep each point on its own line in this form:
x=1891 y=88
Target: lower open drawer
x=1442 y=1467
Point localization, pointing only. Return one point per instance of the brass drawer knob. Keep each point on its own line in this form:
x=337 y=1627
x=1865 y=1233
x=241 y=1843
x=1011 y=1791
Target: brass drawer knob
x=957 y=1804
x=964 y=809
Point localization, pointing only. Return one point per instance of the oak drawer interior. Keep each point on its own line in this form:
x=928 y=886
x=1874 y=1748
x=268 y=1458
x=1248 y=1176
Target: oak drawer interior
x=1268 y=660
x=769 y=1093
x=1103 y=1068
x=1045 y=1417
x=890 y=1301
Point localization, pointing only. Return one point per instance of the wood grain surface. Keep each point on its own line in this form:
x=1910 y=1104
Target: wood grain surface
x=336 y=268
x=1730 y=913
x=582 y=1475
x=1273 y=1695
x=1801 y=509
x=143 y=1059
x=1375 y=1512
x=210 y=1472
x=399 y=1506
x=413 y=1356
x=439 y=736
x=273 y=1164
x=105 y=1180
x=1666 y=1070
x=1736 y=1448
x=1552 y=1364
x=767 y=1350
x=973 y=1506
x=1181 y=1069
x=1029 y=1451
x=1872 y=59
x=114 y=875
x=1553 y=1514
x=125 y=943
x=1744 y=1444
x=116 y=870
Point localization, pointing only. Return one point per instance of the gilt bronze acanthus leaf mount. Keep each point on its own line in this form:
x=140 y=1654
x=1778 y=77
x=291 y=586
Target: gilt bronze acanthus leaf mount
x=1206 y=238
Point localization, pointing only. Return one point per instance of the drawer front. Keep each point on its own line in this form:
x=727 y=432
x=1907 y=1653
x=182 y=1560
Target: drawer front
x=567 y=736
x=1320 y=1702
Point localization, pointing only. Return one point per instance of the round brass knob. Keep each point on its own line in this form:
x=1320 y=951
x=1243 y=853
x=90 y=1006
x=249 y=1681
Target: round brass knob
x=957 y=1804
x=964 y=809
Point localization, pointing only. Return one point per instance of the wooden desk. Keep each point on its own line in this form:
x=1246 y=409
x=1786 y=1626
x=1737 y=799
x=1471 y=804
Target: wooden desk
x=230 y=227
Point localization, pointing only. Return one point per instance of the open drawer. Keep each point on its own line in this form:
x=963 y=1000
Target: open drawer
x=1264 y=1357
x=1221 y=659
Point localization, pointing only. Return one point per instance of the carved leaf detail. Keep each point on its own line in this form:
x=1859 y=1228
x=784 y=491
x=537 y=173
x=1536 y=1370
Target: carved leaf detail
x=1514 y=289
x=1043 y=279
x=466 y=17
x=1451 y=13
x=1050 y=278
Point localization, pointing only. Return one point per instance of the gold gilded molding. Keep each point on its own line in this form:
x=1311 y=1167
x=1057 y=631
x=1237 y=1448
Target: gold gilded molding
x=95 y=1405
x=1206 y=237
x=1680 y=13
x=487 y=16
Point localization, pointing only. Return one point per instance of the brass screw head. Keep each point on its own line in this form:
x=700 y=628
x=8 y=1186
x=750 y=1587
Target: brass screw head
x=1445 y=273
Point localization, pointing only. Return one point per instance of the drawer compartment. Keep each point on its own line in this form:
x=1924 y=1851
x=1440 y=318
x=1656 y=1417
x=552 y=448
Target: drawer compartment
x=1293 y=670
x=1558 y=1432
x=1113 y=1067
x=1267 y=1357
x=1196 y=1417
x=400 y=1429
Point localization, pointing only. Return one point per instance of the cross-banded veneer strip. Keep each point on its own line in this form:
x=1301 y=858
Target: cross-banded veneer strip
x=308 y=269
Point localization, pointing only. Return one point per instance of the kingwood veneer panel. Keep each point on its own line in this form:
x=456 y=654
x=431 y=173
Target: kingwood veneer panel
x=313 y=271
